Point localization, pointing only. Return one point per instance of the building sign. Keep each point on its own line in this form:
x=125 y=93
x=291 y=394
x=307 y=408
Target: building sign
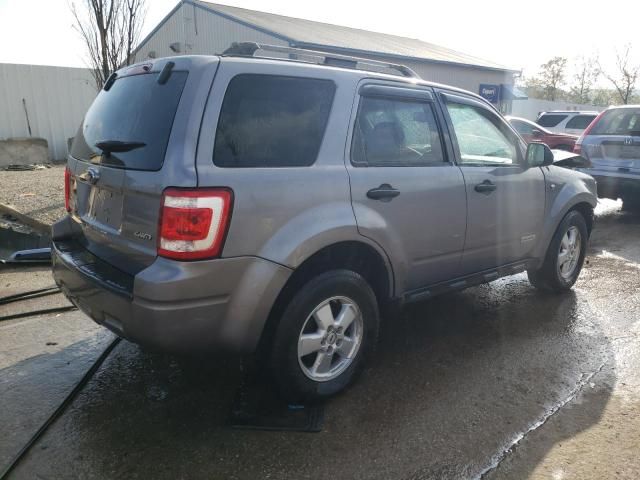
x=491 y=93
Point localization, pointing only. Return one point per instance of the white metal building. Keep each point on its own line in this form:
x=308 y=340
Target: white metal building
x=50 y=102
x=197 y=27
x=44 y=101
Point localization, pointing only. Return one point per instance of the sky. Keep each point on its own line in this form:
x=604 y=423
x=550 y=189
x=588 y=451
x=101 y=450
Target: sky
x=519 y=34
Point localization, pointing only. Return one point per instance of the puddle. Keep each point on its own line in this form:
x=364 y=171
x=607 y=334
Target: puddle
x=608 y=254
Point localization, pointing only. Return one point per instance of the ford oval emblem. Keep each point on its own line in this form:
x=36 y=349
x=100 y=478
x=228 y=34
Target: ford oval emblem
x=93 y=175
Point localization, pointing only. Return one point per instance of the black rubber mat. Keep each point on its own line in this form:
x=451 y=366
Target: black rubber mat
x=257 y=407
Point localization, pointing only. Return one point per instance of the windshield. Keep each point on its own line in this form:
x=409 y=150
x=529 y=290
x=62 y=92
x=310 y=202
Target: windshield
x=551 y=120
x=128 y=126
x=622 y=121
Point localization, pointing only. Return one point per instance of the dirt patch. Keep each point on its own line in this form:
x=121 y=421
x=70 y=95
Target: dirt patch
x=37 y=193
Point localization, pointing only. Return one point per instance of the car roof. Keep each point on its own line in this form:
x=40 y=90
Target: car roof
x=511 y=117
x=188 y=61
x=621 y=107
x=577 y=112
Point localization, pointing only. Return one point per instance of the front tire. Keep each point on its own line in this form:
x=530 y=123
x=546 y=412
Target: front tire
x=565 y=256
x=327 y=330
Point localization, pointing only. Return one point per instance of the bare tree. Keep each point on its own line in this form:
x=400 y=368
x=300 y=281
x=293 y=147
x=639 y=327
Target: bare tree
x=586 y=75
x=110 y=30
x=626 y=76
x=552 y=76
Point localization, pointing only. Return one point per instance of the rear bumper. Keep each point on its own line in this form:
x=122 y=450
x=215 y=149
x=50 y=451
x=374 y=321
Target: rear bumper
x=612 y=184
x=209 y=305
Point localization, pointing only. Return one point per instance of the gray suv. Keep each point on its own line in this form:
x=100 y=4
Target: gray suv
x=612 y=145
x=245 y=203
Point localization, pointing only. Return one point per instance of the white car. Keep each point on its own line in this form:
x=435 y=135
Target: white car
x=566 y=121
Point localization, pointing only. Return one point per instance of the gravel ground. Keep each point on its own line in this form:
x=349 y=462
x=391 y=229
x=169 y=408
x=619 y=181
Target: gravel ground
x=37 y=193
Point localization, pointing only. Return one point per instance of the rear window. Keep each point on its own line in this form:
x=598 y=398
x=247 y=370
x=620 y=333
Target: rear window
x=547 y=120
x=135 y=114
x=580 y=122
x=395 y=133
x=622 y=121
x=272 y=121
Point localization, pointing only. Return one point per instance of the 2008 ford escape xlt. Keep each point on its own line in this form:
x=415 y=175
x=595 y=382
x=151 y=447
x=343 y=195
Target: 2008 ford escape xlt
x=239 y=203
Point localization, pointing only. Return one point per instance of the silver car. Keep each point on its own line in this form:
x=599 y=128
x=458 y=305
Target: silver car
x=612 y=144
x=242 y=203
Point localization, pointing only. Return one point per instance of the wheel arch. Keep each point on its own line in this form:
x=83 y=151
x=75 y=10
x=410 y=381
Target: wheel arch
x=582 y=203
x=586 y=210
x=356 y=255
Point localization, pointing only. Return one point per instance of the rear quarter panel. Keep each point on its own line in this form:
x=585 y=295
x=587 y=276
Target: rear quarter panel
x=284 y=214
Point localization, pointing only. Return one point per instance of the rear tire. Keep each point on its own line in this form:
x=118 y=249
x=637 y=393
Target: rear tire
x=326 y=331
x=565 y=256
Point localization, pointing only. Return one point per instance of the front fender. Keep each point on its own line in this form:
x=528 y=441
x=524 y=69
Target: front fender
x=565 y=189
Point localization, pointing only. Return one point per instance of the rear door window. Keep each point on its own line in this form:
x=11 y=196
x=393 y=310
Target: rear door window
x=272 y=121
x=129 y=125
x=550 y=121
x=580 y=122
x=395 y=133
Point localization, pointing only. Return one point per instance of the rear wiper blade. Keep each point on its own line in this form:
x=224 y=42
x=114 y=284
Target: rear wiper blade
x=109 y=146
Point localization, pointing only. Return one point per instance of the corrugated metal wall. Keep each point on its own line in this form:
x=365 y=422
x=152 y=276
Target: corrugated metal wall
x=200 y=33
x=56 y=100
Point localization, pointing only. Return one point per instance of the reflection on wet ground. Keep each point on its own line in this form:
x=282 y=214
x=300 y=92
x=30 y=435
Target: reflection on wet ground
x=492 y=379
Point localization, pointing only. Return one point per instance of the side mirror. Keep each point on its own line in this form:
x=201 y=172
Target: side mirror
x=539 y=155
x=536 y=133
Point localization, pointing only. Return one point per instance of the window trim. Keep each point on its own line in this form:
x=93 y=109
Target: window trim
x=398 y=94
x=505 y=127
x=259 y=74
x=386 y=91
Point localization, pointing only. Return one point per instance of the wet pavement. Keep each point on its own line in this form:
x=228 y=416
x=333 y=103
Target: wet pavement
x=499 y=381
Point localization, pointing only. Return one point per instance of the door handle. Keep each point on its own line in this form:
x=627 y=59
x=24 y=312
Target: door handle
x=384 y=192
x=485 y=187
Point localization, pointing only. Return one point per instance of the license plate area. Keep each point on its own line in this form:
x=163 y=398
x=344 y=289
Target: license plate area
x=104 y=207
x=629 y=151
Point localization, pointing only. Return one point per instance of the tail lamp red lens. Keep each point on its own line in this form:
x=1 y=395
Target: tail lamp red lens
x=67 y=189
x=577 y=148
x=193 y=223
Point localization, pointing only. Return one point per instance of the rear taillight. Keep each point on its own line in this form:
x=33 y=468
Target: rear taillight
x=67 y=189
x=193 y=223
x=577 y=148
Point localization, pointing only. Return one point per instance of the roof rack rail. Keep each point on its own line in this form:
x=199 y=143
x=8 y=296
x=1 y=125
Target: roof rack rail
x=248 y=49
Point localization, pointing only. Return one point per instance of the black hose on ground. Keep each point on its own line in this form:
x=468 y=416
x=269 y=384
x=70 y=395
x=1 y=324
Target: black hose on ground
x=41 y=292
x=61 y=408
x=38 y=312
